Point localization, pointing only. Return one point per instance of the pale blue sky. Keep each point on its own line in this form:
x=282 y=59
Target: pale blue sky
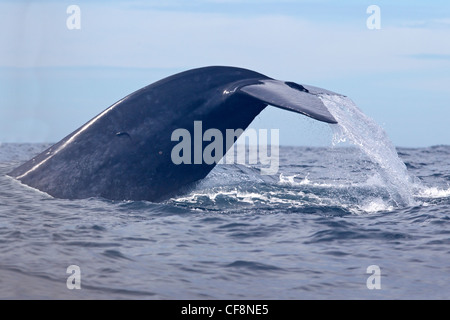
x=52 y=80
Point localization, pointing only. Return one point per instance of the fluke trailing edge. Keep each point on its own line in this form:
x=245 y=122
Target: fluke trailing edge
x=124 y=153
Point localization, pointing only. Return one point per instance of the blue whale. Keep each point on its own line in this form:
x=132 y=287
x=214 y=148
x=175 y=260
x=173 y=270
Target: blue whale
x=124 y=153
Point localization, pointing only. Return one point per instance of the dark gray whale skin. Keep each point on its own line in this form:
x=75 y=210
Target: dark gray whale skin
x=124 y=153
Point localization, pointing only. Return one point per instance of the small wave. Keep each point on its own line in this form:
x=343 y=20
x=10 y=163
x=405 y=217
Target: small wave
x=253 y=266
x=303 y=197
x=115 y=254
x=362 y=203
x=372 y=181
x=433 y=192
x=376 y=205
x=290 y=180
x=221 y=196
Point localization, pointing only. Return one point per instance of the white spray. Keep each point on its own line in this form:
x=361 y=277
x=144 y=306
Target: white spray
x=360 y=130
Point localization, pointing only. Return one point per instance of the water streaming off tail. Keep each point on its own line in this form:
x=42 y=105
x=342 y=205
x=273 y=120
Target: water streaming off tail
x=360 y=130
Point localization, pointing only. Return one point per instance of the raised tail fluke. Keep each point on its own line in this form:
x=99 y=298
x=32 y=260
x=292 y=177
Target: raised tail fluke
x=291 y=96
x=126 y=152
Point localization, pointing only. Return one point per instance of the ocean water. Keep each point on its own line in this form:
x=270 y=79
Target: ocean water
x=313 y=231
x=309 y=233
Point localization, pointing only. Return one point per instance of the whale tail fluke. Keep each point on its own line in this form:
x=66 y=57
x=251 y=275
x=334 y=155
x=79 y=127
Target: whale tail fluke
x=126 y=152
x=291 y=96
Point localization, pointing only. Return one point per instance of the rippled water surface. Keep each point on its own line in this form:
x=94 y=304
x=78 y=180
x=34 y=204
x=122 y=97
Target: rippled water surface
x=309 y=232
